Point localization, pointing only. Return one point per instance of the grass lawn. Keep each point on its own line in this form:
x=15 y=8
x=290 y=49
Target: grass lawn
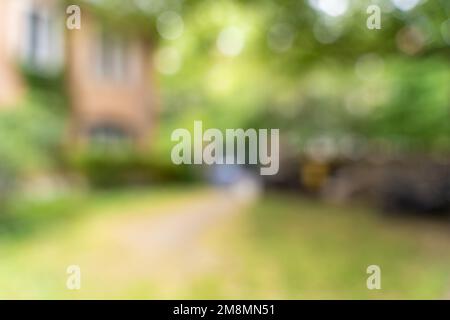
x=296 y=248
x=280 y=247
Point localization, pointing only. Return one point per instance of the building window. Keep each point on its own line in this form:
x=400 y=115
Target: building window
x=109 y=137
x=43 y=43
x=111 y=62
x=37 y=29
x=42 y=48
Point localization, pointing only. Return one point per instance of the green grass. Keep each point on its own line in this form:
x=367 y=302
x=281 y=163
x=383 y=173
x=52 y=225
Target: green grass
x=303 y=249
x=39 y=239
x=282 y=247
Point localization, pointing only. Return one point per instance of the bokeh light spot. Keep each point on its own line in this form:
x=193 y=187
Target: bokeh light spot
x=231 y=41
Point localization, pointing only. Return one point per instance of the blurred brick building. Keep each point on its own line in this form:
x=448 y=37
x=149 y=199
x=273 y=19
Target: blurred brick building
x=108 y=71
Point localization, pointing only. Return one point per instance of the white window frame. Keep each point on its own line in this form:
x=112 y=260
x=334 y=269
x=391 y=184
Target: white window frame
x=48 y=54
x=112 y=56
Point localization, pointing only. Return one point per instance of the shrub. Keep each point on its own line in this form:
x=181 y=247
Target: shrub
x=31 y=135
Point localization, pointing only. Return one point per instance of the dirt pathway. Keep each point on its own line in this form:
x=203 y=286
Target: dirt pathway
x=178 y=228
x=163 y=244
